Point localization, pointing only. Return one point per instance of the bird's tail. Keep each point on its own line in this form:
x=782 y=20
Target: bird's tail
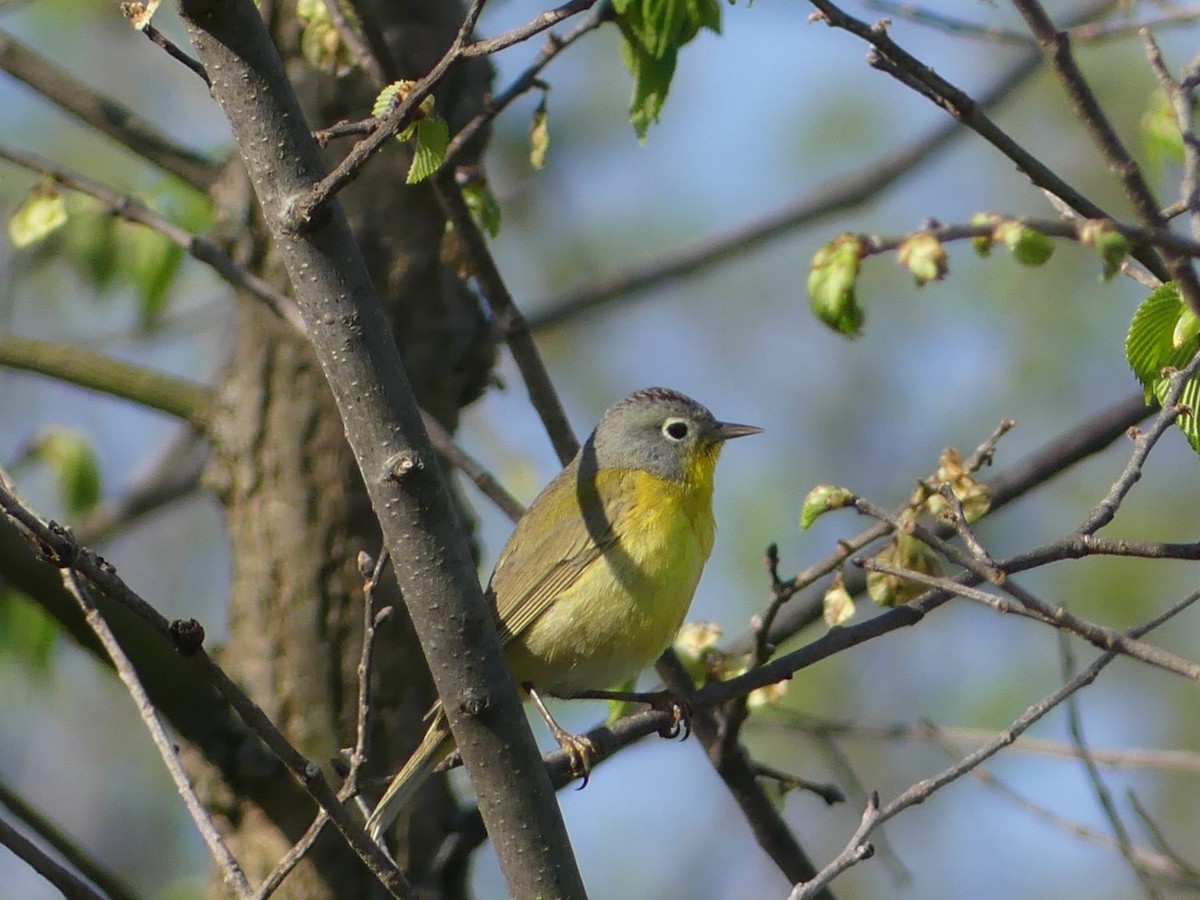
x=433 y=748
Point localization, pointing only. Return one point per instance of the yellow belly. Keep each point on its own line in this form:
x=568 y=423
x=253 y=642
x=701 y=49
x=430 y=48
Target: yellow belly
x=625 y=608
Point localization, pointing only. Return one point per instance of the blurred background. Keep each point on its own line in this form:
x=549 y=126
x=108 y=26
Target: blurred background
x=757 y=119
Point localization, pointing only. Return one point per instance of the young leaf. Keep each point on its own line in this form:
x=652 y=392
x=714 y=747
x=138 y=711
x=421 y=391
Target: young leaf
x=1161 y=137
x=1150 y=344
x=27 y=633
x=1028 y=247
x=1186 y=329
x=1112 y=246
x=70 y=456
x=924 y=256
x=150 y=263
x=390 y=96
x=43 y=212
x=831 y=281
x=909 y=553
x=482 y=205
x=539 y=136
x=652 y=33
x=432 y=137
x=838 y=605
x=822 y=499
x=983 y=244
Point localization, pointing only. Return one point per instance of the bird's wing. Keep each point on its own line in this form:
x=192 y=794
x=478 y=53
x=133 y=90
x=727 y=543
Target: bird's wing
x=522 y=588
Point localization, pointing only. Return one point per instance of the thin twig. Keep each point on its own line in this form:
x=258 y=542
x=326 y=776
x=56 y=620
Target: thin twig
x=834 y=196
x=1090 y=33
x=198 y=247
x=1106 y=509
x=1160 y=841
x=1057 y=616
x=54 y=544
x=1184 y=762
x=306 y=209
x=1182 y=99
x=889 y=57
x=1056 y=47
x=105 y=115
x=1076 y=229
x=1103 y=794
x=360 y=51
x=540 y=23
x=372 y=571
x=231 y=871
x=509 y=321
x=922 y=790
x=1160 y=865
x=487 y=483
x=67 y=882
x=526 y=81
x=50 y=834
x=857 y=849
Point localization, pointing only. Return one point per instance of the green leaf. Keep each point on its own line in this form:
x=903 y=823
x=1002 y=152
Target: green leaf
x=831 y=283
x=837 y=604
x=1028 y=247
x=482 y=205
x=1150 y=344
x=69 y=455
x=822 y=499
x=924 y=256
x=652 y=33
x=150 y=263
x=43 y=212
x=390 y=96
x=431 y=138
x=1186 y=329
x=983 y=244
x=1161 y=137
x=1189 y=422
x=92 y=243
x=27 y=632
x=539 y=136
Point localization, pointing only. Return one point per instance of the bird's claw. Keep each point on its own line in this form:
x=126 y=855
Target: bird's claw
x=680 y=710
x=580 y=752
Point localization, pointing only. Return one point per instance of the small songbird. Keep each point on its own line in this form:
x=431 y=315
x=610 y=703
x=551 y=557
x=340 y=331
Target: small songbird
x=597 y=577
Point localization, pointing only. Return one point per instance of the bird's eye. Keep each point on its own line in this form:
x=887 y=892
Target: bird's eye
x=675 y=429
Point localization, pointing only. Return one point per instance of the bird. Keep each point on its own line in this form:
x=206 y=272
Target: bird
x=596 y=578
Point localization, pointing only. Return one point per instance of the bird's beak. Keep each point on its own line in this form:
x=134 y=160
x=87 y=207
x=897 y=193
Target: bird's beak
x=727 y=431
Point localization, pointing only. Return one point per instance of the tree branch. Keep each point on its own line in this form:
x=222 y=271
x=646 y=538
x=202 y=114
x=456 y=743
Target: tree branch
x=105 y=115
x=354 y=343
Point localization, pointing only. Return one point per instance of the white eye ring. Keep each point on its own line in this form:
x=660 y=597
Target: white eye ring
x=675 y=429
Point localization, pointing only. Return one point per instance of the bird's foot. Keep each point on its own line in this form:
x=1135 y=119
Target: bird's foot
x=667 y=701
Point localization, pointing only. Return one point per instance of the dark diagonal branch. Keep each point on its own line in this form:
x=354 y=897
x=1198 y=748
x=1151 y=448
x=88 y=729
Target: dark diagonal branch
x=154 y=390
x=55 y=545
x=835 y=196
x=1056 y=46
x=199 y=248
x=891 y=58
x=105 y=115
x=64 y=880
x=231 y=872
x=47 y=832
x=511 y=324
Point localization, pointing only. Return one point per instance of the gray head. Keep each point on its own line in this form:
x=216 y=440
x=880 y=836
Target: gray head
x=663 y=432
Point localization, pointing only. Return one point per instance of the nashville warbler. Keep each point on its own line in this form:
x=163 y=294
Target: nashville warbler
x=595 y=580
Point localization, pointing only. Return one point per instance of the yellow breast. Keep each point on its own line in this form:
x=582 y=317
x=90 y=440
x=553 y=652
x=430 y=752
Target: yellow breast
x=626 y=605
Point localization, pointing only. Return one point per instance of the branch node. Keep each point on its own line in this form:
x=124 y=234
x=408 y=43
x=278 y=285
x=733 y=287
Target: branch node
x=187 y=635
x=402 y=464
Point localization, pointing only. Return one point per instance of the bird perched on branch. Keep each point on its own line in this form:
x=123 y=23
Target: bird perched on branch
x=597 y=577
